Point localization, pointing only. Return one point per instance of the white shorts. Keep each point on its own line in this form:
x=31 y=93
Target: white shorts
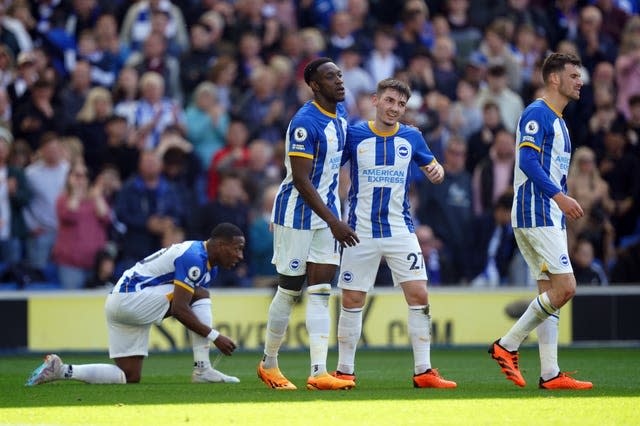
x=293 y=248
x=360 y=263
x=545 y=250
x=131 y=315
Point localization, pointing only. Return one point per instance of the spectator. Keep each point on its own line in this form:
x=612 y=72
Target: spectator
x=154 y=58
x=420 y=73
x=121 y=151
x=38 y=115
x=74 y=94
x=447 y=209
x=525 y=52
x=445 y=73
x=494 y=244
x=26 y=74
x=261 y=241
x=154 y=112
x=431 y=248
x=614 y=18
x=627 y=66
x=136 y=26
x=344 y=36
x=585 y=268
x=106 y=32
x=45 y=177
x=382 y=61
x=230 y=205
x=466 y=116
x=235 y=154
x=633 y=126
x=480 y=142
x=415 y=29
x=261 y=107
x=286 y=85
x=592 y=193
x=6 y=110
x=103 y=271
x=84 y=217
x=627 y=267
x=14 y=196
x=508 y=101
x=91 y=128
x=104 y=66
x=223 y=74
x=493 y=176
x=125 y=94
x=249 y=58
x=260 y=171
x=7 y=71
x=197 y=61
x=622 y=173
x=207 y=121
x=563 y=17
x=149 y=206
x=465 y=32
x=356 y=79
x=594 y=45
x=19 y=21
x=495 y=48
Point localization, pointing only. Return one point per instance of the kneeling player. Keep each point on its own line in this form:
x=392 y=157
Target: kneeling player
x=171 y=282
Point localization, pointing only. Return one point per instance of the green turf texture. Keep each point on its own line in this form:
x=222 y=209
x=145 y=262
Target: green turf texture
x=384 y=393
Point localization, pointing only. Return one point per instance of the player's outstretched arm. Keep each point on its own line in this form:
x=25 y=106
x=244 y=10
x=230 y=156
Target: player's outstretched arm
x=300 y=170
x=181 y=310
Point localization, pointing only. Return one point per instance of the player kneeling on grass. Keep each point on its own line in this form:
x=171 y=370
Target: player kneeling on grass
x=380 y=153
x=171 y=282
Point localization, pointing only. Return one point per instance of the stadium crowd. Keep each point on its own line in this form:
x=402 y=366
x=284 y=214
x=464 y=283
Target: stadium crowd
x=128 y=126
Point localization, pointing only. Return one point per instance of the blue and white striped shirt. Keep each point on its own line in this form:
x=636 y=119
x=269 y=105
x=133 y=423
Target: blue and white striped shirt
x=319 y=135
x=542 y=129
x=185 y=264
x=380 y=168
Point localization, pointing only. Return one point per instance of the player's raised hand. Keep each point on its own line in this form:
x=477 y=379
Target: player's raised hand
x=435 y=173
x=225 y=344
x=344 y=234
x=569 y=206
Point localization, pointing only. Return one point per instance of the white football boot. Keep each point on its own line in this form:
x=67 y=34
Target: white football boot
x=48 y=371
x=211 y=375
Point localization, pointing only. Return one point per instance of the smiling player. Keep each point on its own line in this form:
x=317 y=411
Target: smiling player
x=540 y=207
x=380 y=153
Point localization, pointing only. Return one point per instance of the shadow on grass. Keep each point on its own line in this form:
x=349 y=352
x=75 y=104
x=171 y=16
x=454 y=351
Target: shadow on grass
x=384 y=375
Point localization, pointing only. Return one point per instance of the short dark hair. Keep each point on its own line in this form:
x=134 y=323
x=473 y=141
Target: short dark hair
x=555 y=62
x=312 y=67
x=226 y=231
x=393 y=84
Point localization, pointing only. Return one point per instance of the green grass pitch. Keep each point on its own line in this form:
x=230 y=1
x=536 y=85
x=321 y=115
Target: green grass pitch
x=384 y=394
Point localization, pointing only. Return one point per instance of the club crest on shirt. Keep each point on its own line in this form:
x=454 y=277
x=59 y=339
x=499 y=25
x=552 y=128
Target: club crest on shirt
x=402 y=151
x=300 y=134
x=532 y=127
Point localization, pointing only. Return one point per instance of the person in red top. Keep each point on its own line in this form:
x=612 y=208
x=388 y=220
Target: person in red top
x=84 y=218
x=235 y=154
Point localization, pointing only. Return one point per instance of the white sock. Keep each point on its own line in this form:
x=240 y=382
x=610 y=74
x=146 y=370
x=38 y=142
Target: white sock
x=279 y=313
x=94 y=373
x=318 y=326
x=349 y=330
x=201 y=345
x=419 y=326
x=548 y=346
x=539 y=310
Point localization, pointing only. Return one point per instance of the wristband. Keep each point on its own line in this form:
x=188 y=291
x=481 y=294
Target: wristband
x=213 y=335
